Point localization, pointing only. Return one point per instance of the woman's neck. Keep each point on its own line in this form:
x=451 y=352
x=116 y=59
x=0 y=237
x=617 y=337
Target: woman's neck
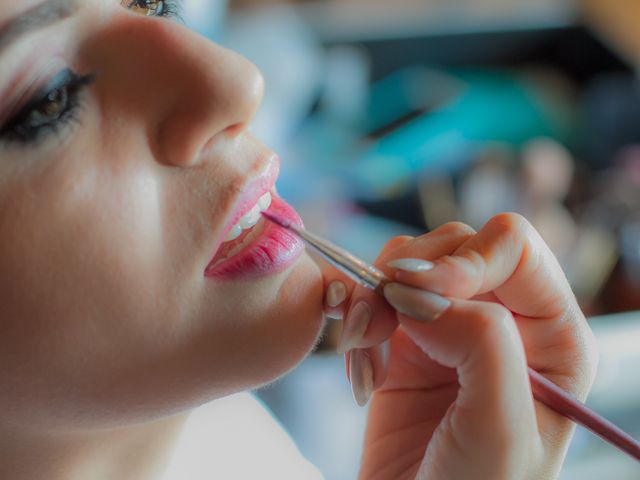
x=138 y=452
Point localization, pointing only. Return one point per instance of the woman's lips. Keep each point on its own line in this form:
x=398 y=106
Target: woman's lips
x=264 y=183
x=273 y=250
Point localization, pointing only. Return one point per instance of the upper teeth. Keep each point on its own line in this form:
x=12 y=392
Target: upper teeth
x=250 y=218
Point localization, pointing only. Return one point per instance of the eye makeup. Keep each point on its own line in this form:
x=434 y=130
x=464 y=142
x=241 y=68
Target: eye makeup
x=154 y=8
x=53 y=107
x=59 y=102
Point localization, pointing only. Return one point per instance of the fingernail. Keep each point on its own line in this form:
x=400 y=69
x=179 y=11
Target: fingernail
x=361 y=373
x=411 y=264
x=336 y=293
x=415 y=303
x=354 y=326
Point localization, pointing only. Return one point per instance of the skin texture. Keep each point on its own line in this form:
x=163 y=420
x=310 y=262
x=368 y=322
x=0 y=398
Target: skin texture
x=453 y=398
x=110 y=331
x=111 y=334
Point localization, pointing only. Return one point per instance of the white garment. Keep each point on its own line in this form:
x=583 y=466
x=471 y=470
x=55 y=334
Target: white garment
x=236 y=438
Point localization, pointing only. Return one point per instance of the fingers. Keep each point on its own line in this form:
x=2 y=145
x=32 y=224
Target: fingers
x=507 y=256
x=481 y=341
x=338 y=287
x=361 y=311
x=441 y=241
x=367 y=370
x=335 y=295
x=369 y=319
x=510 y=259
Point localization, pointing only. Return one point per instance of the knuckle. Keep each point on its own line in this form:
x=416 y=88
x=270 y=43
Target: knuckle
x=466 y=271
x=459 y=276
x=579 y=353
x=592 y=355
x=472 y=260
x=398 y=241
x=501 y=316
x=587 y=361
x=492 y=319
x=511 y=224
x=455 y=229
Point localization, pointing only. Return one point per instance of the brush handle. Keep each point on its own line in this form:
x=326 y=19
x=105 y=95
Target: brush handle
x=560 y=401
x=554 y=397
x=543 y=389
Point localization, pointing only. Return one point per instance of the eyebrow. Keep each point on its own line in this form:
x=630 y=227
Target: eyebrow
x=40 y=16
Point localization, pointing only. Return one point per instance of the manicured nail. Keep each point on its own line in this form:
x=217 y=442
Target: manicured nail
x=414 y=302
x=361 y=373
x=354 y=326
x=336 y=293
x=411 y=264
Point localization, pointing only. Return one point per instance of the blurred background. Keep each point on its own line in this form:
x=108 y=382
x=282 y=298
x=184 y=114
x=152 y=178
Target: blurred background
x=396 y=117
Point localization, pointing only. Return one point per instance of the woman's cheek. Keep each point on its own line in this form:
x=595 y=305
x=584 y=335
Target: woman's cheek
x=302 y=296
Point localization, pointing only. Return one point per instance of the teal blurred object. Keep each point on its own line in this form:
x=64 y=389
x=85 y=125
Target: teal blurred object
x=425 y=122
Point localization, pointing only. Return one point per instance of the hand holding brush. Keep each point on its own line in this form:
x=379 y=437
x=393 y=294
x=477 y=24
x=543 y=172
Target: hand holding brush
x=492 y=358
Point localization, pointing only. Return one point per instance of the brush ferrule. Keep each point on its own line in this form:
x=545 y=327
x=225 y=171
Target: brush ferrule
x=361 y=271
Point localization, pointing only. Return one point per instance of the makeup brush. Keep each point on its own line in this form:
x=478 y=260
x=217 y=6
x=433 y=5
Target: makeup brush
x=359 y=270
x=543 y=389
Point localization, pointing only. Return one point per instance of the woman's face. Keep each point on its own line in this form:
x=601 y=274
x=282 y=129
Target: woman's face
x=125 y=160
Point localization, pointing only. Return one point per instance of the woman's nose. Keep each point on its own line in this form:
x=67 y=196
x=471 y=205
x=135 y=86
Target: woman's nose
x=217 y=95
x=190 y=92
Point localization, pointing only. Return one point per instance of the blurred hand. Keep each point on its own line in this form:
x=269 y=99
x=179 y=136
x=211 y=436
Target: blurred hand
x=448 y=362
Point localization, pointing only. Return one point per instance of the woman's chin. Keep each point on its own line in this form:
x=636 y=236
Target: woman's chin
x=259 y=341
x=298 y=326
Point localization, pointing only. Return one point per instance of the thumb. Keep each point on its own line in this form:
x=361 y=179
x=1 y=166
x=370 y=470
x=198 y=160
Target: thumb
x=480 y=340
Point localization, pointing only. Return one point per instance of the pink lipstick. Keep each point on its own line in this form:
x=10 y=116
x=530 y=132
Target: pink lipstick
x=266 y=249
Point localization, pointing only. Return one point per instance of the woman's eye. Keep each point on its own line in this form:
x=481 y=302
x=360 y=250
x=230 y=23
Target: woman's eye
x=154 y=8
x=48 y=111
x=51 y=108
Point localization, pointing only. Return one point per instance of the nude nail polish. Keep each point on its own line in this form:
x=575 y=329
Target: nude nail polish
x=354 y=326
x=411 y=264
x=415 y=303
x=336 y=293
x=361 y=373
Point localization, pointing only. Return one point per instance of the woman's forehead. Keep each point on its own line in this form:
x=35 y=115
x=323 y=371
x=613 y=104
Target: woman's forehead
x=16 y=21
x=12 y=8
x=12 y=11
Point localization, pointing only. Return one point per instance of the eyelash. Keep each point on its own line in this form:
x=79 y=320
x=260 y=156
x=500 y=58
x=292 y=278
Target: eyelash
x=169 y=9
x=66 y=88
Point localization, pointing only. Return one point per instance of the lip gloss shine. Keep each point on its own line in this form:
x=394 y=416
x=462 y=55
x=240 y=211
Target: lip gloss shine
x=273 y=251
